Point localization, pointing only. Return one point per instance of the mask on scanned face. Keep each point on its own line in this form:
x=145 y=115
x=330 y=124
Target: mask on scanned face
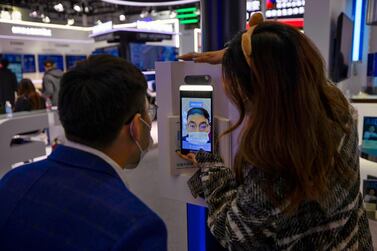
x=197 y=138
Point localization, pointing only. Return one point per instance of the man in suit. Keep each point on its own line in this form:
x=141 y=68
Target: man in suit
x=76 y=198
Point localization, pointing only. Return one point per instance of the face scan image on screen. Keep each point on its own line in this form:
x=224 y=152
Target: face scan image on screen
x=196 y=124
x=370 y=133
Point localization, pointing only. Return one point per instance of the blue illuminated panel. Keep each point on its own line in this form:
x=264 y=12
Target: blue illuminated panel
x=71 y=60
x=58 y=60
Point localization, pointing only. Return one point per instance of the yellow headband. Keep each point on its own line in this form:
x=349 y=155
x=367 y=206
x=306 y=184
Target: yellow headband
x=255 y=19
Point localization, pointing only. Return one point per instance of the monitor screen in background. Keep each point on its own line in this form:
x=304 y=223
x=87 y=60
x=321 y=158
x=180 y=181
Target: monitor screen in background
x=28 y=63
x=370 y=133
x=98 y=51
x=112 y=50
x=144 y=56
x=15 y=64
x=71 y=60
x=16 y=68
x=58 y=59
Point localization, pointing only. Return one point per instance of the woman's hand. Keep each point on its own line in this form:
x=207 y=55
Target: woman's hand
x=211 y=57
x=189 y=157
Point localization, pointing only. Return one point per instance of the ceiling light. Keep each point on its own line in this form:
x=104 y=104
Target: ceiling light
x=70 y=21
x=4 y=14
x=154 y=13
x=46 y=19
x=33 y=14
x=77 y=7
x=122 y=18
x=16 y=15
x=172 y=14
x=86 y=9
x=59 y=7
x=144 y=14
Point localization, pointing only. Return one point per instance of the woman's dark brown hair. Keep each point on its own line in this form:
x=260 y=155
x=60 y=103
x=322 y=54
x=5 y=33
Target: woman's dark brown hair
x=292 y=118
x=26 y=88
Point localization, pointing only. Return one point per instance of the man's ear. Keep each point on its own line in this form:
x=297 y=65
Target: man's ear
x=136 y=127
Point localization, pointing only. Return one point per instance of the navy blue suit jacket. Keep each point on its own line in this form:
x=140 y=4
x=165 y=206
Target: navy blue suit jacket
x=72 y=201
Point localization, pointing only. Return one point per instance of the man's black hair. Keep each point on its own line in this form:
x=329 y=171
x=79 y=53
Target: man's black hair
x=99 y=96
x=48 y=63
x=200 y=111
x=4 y=62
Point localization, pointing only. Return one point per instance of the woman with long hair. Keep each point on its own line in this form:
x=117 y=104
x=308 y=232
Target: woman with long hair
x=28 y=99
x=295 y=183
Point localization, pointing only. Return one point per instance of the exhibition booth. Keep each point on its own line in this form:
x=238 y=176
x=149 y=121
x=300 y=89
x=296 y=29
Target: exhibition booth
x=337 y=27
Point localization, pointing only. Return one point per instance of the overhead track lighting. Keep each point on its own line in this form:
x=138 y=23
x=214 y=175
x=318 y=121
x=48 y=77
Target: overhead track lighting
x=59 y=7
x=33 y=14
x=77 y=7
x=154 y=13
x=172 y=14
x=122 y=18
x=16 y=15
x=144 y=13
x=70 y=21
x=46 y=19
x=4 y=14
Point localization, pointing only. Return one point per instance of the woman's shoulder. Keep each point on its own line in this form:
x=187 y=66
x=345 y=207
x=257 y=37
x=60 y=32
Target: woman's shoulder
x=22 y=104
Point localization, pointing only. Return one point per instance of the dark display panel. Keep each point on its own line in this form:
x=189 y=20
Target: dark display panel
x=71 y=60
x=28 y=63
x=342 y=53
x=112 y=50
x=144 y=56
x=15 y=64
x=57 y=59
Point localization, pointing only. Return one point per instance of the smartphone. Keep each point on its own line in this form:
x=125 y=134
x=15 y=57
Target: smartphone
x=196 y=118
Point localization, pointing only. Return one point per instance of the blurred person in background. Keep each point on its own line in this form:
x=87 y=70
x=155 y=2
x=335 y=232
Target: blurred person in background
x=28 y=99
x=8 y=84
x=51 y=82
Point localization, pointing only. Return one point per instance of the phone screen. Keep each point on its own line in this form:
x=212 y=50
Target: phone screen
x=196 y=119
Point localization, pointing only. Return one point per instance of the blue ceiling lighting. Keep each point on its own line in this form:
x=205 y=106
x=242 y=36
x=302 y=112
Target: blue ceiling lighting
x=358 y=32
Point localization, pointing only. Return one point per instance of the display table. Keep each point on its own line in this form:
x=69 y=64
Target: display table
x=21 y=123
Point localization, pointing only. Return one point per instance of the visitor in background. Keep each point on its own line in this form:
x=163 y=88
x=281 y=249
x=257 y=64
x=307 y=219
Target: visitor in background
x=51 y=82
x=28 y=98
x=8 y=85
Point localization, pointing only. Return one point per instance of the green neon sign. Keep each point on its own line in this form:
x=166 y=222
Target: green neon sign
x=189 y=21
x=181 y=16
x=185 y=10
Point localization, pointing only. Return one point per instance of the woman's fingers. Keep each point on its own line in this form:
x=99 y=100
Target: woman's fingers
x=189 y=157
x=212 y=57
x=188 y=56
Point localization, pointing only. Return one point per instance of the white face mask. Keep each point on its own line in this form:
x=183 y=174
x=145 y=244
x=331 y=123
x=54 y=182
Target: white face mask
x=198 y=138
x=142 y=152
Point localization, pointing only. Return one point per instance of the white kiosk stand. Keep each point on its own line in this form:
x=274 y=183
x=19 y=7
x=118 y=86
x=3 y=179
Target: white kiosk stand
x=169 y=76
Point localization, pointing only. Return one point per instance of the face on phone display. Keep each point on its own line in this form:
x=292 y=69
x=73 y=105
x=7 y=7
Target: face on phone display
x=196 y=124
